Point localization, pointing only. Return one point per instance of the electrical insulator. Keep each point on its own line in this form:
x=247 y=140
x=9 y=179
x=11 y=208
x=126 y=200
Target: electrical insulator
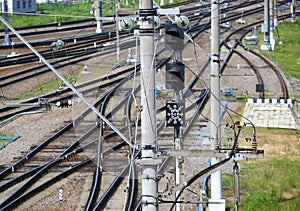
x=182 y=21
x=156 y=22
x=217 y=144
x=126 y=24
x=254 y=144
x=59 y=44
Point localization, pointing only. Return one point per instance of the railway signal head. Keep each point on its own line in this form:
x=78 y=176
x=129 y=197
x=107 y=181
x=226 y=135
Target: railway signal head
x=173 y=37
x=175 y=76
x=175 y=114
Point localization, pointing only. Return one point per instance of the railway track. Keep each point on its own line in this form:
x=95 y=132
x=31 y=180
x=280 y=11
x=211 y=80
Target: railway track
x=65 y=153
x=68 y=29
x=262 y=70
x=109 y=149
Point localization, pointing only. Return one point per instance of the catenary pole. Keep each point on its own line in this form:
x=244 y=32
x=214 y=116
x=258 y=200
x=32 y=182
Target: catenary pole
x=98 y=15
x=216 y=178
x=267 y=23
x=293 y=10
x=178 y=137
x=148 y=115
x=275 y=14
x=272 y=26
x=6 y=33
x=117 y=30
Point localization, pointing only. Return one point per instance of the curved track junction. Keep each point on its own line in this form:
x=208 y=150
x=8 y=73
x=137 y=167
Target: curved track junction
x=84 y=157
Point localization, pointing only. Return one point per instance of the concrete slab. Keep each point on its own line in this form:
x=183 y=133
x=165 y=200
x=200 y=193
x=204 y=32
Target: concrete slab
x=273 y=115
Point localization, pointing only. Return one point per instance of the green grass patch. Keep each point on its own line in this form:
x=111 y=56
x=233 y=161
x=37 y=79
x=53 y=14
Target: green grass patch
x=46 y=87
x=271 y=183
x=5 y=135
x=67 y=8
x=2 y=142
x=266 y=185
x=239 y=99
x=287 y=55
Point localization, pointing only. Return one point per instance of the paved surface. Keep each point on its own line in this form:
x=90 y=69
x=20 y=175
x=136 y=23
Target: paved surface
x=272 y=113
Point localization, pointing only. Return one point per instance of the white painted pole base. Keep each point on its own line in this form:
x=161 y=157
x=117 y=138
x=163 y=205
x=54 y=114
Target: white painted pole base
x=98 y=30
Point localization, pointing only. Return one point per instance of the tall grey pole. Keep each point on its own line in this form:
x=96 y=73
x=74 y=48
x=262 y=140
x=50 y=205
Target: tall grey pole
x=275 y=14
x=177 y=137
x=267 y=23
x=293 y=10
x=178 y=163
x=216 y=178
x=117 y=30
x=272 y=12
x=148 y=115
x=6 y=32
x=98 y=15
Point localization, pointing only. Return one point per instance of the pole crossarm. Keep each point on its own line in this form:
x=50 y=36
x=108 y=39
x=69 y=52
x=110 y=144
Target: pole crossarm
x=208 y=152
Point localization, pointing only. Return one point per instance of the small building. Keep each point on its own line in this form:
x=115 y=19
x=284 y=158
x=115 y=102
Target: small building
x=19 y=6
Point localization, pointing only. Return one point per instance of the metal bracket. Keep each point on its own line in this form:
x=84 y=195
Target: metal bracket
x=172 y=11
x=238 y=157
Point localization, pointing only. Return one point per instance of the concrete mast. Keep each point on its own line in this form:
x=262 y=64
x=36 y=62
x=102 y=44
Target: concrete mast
x=117 y=30
x=6 y=32
x=275 y=14
x=98 y=15
x=177 y=136
x=266 y=45
x=216 y=178
x=293 y=10
x=272 y=26
x=148 y=114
